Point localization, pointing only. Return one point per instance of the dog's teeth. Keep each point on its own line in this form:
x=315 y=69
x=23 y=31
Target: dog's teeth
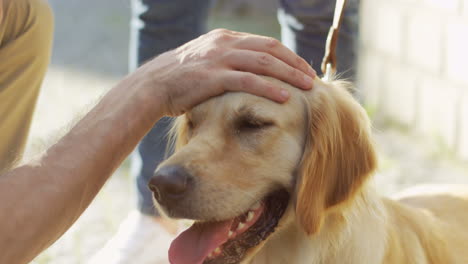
x=217 y=250
x=230 y=233
x=240 y=226
x=250 y=216
x=256 y=206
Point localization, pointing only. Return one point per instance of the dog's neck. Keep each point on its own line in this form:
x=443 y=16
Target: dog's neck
x=343 y=236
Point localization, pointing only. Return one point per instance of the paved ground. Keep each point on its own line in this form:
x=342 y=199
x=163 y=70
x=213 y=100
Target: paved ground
x=90 y=55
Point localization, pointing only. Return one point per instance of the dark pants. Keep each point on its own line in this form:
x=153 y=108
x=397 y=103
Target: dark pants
x=161 y=25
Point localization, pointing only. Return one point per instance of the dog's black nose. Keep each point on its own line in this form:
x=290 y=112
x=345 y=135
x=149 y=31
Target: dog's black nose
x=170 y=182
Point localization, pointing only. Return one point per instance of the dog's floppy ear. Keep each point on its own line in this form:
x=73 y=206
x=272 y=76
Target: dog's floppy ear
x=339 y=155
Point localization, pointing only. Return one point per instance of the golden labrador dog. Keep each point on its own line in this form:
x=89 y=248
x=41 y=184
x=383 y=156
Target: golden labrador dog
x=289 y=183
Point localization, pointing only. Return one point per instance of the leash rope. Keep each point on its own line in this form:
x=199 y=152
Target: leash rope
x=329 y=61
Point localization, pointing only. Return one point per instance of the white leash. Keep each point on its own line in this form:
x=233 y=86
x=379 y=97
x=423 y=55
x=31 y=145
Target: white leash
x=329 y=61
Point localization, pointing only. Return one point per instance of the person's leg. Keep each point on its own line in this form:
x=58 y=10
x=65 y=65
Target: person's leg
x=26 y=30
x=304 y=29
x=158 y=26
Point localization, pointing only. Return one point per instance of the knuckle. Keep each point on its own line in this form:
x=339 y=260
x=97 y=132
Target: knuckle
x=219 y=31
x=246 y=81
x=272 y=42
x=300 y=61
x=293 y=73
x=221 y=35
x=223 y=38
x=214 y=52
x=228 y=55
x=269 y=89
x=265 y=60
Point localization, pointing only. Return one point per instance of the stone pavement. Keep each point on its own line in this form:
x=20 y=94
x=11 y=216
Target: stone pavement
x=90 y=55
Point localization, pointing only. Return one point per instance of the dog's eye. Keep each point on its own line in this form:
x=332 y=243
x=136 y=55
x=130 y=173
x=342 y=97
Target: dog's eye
x=250 y=124
x=190 y=124
x=190 y=127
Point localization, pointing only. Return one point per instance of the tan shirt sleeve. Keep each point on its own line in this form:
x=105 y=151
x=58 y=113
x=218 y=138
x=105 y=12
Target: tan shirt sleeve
x=1 y=11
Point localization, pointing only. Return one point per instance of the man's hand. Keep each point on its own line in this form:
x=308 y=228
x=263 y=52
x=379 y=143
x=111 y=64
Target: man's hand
x=220 y=61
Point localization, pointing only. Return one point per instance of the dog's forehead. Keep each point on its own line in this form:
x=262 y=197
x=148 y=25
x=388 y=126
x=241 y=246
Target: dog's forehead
x=238 y=103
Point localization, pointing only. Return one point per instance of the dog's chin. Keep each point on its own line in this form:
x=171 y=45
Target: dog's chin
x=231 y=240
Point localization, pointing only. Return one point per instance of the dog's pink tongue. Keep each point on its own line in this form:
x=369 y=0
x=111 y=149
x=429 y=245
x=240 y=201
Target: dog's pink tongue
x=194 y=244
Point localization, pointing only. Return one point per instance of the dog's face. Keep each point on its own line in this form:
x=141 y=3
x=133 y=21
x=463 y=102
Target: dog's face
x=241 y=160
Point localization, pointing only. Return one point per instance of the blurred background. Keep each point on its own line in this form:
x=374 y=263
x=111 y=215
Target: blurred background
x=412 y=76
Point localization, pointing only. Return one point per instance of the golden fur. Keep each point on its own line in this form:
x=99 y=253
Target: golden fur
x=318 y=147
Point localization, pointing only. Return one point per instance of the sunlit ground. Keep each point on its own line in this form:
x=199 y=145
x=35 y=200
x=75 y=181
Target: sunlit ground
x=90 y=56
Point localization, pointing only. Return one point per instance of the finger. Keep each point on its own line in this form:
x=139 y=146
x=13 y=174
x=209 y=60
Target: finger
x=275 y=48
x=266 y=64
x=224 y=31
x=253 y=84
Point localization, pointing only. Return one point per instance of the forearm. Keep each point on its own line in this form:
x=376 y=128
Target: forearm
x=51 y=194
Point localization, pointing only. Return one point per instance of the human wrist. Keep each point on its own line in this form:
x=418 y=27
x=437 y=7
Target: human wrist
x=154 y=79
x=148 y=92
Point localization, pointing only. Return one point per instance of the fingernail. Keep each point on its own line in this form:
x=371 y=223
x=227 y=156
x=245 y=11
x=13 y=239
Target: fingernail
x=284 y=94
x=308 y=81
x=312 y=72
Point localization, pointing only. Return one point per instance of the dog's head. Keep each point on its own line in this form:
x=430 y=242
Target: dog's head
x=242 y=160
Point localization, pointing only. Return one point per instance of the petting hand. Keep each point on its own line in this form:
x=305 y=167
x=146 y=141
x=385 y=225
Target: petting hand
x=221 y=61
